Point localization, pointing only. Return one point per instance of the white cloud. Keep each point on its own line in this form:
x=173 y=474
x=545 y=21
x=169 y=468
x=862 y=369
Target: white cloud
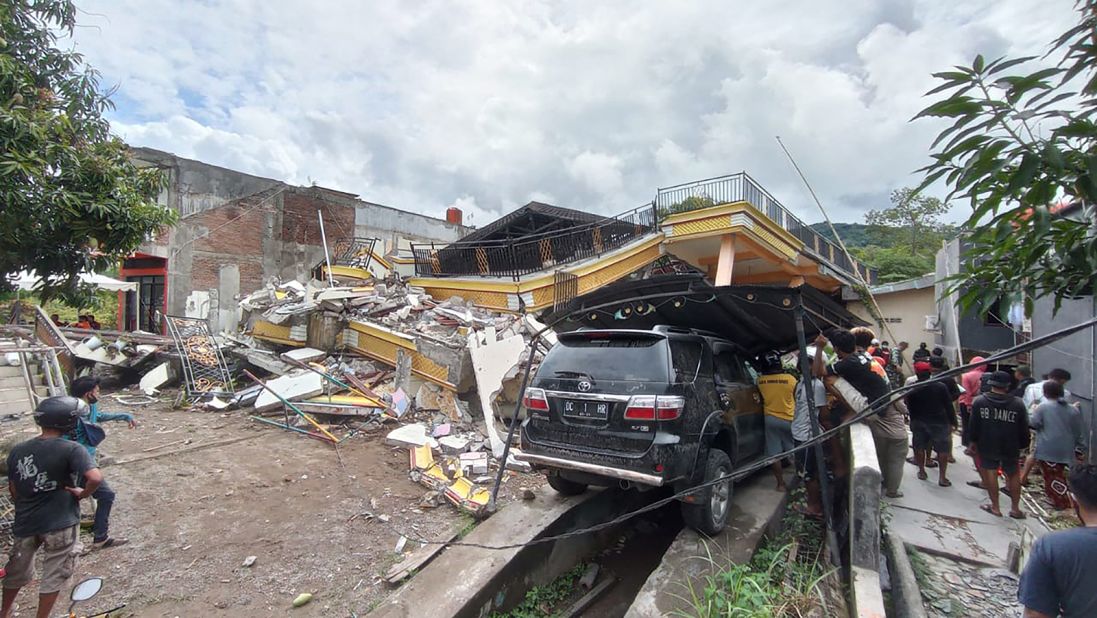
x=598 y=171
x=585 y=105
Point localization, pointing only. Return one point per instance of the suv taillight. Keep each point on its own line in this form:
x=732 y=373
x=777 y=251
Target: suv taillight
x=535 y=399
x=654 y=408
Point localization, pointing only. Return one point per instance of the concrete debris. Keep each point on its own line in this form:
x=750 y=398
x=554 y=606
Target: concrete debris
x=491 y=360
x=474 y=463
x=414 y=434
x=153 y=380
x=250 y=560
x=298 y=385
x=305 y=355
x=454 y=445
x=448 y=476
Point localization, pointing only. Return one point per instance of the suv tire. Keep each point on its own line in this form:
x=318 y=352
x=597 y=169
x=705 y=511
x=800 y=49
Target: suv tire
x=565 y=487
x=710 y=514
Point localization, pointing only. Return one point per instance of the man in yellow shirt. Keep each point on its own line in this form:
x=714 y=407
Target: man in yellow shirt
x=778 y=389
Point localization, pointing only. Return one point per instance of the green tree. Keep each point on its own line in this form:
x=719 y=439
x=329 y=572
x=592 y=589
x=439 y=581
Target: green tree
x=915 y=218
x=1019 y=143
x=70 y=198
x=894 y=263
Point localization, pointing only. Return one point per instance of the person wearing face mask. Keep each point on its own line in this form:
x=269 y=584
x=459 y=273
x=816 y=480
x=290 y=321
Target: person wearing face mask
x=85 y=433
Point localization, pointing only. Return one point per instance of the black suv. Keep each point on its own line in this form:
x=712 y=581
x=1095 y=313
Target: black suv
x=666 y=407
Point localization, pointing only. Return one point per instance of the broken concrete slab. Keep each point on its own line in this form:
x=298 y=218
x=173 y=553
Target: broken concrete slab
x=305 y=355
x=298 y=385
x=474 y=463
x=454 y=445
x=152 y=381
x=491 y=360
x=414 y=434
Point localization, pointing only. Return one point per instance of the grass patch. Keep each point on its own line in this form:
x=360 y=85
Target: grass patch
x=783 y=579
x=543 y=601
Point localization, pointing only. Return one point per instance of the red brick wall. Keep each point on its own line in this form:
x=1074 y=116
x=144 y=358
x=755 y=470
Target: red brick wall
x=232 y=229
x=300 y=224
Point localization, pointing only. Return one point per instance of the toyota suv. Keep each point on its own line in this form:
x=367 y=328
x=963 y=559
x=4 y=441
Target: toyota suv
x=669 y=407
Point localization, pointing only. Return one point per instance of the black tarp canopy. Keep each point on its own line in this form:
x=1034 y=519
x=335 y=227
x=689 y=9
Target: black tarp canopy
x=757 y=317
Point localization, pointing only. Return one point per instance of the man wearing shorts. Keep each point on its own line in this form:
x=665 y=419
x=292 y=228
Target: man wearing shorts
x=778 y=389
x=43 y=477
x=932 y=419
x=998 y=430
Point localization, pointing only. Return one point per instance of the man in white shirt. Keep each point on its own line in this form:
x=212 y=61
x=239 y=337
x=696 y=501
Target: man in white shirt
x=1034 y=393
x=801 y=433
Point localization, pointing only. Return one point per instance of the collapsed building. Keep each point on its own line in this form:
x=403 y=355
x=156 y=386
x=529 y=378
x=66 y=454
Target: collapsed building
x=237 y=231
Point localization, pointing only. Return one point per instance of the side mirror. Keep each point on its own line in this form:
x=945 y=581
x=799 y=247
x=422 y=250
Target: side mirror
x=87 y=589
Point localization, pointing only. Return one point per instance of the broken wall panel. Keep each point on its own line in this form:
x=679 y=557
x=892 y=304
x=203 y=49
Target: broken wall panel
x=383 y=344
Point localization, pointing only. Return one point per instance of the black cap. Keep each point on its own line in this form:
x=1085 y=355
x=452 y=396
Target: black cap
x=1000 y=379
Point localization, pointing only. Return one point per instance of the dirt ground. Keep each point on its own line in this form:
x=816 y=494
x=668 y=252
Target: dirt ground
x=193 y=515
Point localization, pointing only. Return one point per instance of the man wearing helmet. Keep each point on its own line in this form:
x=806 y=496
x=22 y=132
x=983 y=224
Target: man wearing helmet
x=778 y=389
x=43 y=476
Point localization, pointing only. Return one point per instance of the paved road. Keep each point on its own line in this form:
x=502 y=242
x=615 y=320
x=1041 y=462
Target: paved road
x=964 y=549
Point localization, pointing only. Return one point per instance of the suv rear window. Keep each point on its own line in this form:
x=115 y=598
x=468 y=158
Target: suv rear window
x=612 y=357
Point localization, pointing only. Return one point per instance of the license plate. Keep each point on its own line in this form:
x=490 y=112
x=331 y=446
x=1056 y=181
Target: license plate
x=590 y=410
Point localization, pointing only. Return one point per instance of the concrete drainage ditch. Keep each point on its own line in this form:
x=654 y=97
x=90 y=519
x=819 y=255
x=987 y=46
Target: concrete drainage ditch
x=651 y=559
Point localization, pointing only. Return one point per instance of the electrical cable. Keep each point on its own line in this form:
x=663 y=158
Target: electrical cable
x=872 y=408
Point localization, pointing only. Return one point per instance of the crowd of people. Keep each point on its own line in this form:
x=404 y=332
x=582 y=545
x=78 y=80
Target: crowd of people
x=85 y=321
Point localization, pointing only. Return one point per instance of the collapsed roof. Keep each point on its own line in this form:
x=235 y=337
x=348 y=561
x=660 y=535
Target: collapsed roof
x=756 y=317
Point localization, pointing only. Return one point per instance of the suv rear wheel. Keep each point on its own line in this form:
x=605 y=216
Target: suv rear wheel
x=710 y=513
x=565 y=487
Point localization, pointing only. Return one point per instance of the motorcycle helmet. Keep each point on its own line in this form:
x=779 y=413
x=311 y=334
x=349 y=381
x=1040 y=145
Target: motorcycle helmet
x=59 y=412
x=771 y=360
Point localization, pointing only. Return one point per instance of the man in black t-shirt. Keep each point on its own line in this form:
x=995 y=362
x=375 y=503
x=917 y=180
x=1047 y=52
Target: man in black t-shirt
x=932 y=419
x=888 y=431
x=999 y=430
x=43 y=476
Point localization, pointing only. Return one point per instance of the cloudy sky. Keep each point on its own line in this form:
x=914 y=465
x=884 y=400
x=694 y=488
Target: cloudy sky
x=589 y=105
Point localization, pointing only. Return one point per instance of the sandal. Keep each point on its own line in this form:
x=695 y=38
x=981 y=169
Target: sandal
x=108 y=543
x=922 y=475
x=1017 y=515
x=944 y=483
x=990 y=509
x=976 y=484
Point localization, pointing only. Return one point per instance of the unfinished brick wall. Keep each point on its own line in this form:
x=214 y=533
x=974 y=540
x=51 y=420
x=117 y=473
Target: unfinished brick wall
x=300 y=224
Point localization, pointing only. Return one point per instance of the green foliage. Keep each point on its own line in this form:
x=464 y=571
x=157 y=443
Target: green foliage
x=541 y=601
x=853 y=234
x=901 y=241
x=1018 y=143
x=72 y=199
x=894 y=263
x=693 y=202
x=913 y=219
x=783 y=579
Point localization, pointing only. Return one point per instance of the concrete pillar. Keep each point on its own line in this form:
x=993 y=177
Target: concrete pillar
x=726 y=263
x=228 y=288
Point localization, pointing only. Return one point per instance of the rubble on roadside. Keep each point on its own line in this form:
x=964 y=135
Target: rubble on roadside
x=384 y=360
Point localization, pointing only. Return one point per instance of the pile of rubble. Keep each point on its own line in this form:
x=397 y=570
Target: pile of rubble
x=384 y=357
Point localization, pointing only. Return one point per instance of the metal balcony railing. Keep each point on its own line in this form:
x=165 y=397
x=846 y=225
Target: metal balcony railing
x=742 y=188
x=536 y=252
